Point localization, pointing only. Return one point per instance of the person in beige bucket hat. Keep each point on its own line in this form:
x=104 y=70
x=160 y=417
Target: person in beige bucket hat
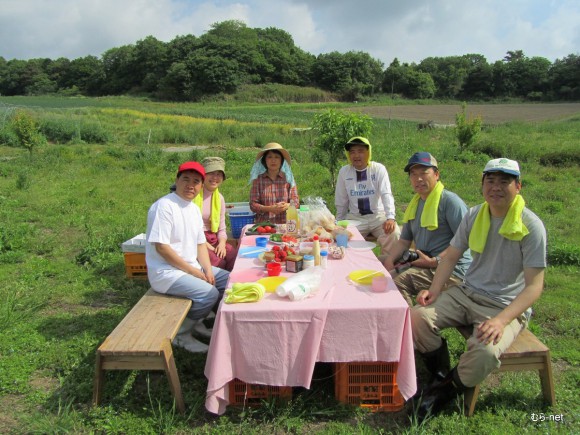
x=213 y=212
x=273 y=185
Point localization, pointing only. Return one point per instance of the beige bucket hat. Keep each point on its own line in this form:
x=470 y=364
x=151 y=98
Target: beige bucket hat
x=212 y=164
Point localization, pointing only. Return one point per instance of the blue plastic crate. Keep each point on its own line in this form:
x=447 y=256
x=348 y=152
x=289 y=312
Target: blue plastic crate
x=239 y=220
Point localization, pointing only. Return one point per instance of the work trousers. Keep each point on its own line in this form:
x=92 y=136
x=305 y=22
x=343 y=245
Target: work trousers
x=203 y=295
x=461 y=306
x=373 y=224
x=411 y=281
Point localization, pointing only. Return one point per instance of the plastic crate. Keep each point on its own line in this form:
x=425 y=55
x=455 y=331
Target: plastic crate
x=243 y=394
x=371 y=385
x=238 y=220
x=135 y=266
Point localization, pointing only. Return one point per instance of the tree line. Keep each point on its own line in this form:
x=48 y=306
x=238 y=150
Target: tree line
x=231 y=54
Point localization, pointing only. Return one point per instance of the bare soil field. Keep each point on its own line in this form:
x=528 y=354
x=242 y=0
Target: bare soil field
x=490 y=113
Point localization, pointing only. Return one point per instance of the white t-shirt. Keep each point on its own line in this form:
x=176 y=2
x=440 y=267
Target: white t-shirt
x=176 y=222
x=364 y=192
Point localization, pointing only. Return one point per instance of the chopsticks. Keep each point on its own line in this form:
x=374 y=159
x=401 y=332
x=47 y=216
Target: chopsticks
x=376 y=272
x=245 y=254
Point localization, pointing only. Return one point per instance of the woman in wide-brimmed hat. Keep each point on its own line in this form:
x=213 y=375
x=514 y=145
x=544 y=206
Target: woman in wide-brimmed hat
x=273 y=185
x=213 y=208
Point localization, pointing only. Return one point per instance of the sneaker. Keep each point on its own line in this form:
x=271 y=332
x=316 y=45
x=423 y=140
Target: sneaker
x=201 y=329
x=189 y=343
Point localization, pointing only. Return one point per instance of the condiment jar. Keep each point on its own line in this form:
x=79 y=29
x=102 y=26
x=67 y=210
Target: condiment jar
x=324 y=259
x=308 y=261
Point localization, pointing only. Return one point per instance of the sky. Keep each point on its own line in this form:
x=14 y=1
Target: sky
x=409 y=30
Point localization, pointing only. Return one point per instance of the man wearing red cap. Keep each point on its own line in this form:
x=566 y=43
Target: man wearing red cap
x=176 y=254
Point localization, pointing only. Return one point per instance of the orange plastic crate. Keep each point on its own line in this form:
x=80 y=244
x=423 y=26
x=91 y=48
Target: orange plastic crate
x=135 y=266
x=371 y=385
x=243 y=394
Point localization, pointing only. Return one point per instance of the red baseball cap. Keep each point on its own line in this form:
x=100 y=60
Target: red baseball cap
x=192 y=166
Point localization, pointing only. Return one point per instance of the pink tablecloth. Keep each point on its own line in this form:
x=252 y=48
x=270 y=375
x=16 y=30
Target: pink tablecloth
x=277 y=342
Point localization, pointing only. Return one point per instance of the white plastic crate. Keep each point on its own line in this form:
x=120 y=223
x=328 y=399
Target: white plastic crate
x=136 y=244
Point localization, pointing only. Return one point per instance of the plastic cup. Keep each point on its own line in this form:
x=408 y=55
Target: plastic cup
x=342 y=240
x=261 y=241
x=274 y=269
x=379 y=284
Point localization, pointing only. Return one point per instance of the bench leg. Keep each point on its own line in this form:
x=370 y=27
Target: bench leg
x=171 y=371
x=470 y=397
x=99 y=380
x=547 y=381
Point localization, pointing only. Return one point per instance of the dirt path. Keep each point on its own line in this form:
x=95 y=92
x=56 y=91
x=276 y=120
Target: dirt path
x=490 y=113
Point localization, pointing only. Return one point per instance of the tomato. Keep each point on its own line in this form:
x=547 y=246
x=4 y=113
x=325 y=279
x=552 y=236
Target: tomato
x=267 y=228
x=260 y=230
x=276 y=248
x=272 y=230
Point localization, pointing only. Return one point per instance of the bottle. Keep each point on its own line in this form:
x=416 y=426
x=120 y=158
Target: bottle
x=292 y=219
x=303 y=217
x=316 y=250
x=324 y=259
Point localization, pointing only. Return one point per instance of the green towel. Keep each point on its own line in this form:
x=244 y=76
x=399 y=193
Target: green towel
x=429 y=216
x=513 y=227
x=215 y=212
x=245 y=292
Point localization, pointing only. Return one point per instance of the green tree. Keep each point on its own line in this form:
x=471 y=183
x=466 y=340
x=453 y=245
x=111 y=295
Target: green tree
x=565 y=78
x=334 y=130
x=26 y=130
x=466 y=130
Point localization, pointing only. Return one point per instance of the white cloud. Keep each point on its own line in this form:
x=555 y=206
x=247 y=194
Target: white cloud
x=410 y=30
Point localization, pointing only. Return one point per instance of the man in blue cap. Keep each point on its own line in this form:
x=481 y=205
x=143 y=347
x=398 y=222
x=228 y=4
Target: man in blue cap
x=430 y=221
x=508 y=246
x=176 y=253
x=363 y=193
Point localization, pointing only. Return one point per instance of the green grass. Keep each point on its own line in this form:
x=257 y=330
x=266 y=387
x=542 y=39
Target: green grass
x=65 y=212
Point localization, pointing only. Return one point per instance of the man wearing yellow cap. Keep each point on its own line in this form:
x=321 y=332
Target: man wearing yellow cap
x=363 y=193
x=430 y=221
x=508 y=246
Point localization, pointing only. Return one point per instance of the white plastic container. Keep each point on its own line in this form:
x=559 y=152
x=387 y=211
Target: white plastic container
x=136 y=244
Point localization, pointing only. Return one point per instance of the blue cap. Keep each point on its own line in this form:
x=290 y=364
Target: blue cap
x=422 y=158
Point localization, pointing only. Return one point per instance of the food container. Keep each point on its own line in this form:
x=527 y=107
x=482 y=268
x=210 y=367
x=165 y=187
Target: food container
x=305 y=248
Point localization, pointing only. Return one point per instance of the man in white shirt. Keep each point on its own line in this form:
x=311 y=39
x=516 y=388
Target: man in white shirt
x=176 y=254
x=363 y=193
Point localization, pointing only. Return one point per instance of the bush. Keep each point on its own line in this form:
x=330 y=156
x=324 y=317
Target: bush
x=561 y=158
x=26 y=131
x=466 y=129
x=564 y=255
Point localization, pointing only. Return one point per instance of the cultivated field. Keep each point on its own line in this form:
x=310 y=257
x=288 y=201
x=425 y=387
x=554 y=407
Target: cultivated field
x=490 y=113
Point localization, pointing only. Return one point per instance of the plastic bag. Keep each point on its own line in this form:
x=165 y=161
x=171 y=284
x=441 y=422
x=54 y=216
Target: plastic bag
x=318 y=219
x=301 y=285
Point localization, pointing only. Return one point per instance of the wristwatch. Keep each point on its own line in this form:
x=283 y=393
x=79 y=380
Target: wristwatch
x=438 y=259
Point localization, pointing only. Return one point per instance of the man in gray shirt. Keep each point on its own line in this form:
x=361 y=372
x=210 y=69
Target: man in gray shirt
x=430 y=221
x=508 y=245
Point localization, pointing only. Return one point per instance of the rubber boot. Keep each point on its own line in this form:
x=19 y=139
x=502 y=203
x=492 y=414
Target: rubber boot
x=437 y=362
x=440 y=394
x=199 y=328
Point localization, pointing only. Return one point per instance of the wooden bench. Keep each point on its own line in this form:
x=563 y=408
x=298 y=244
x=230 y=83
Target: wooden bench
x=527 y=352
x=142 y=341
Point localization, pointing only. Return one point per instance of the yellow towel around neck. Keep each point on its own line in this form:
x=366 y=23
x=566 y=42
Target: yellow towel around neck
x=429 y=218
x=512 y=228
x=215 y=213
